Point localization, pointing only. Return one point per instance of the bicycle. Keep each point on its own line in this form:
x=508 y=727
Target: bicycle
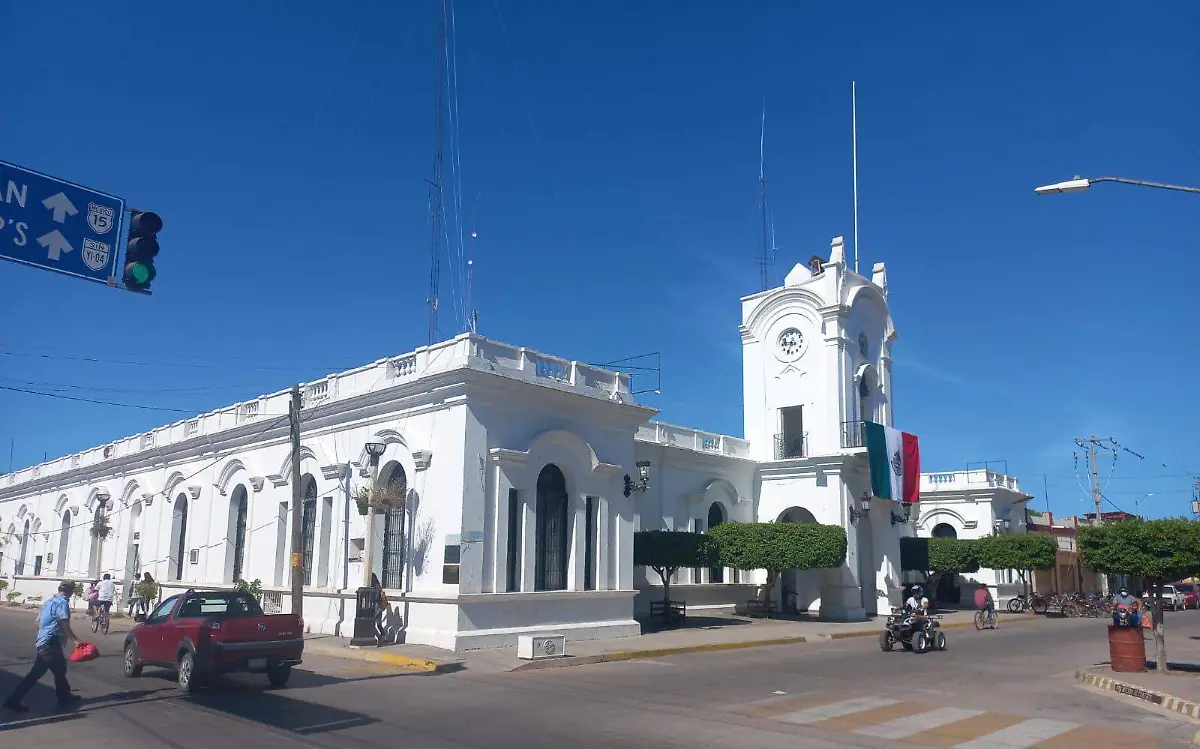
x=985 y=618
x=100 y=620
x=1036 y=602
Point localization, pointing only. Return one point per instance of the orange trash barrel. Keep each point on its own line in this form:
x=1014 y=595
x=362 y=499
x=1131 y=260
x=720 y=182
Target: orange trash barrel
x=1126 y=649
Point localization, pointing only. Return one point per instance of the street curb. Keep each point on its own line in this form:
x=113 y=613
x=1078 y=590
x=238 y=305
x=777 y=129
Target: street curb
x=1162 y=700
x=407 y=662
x=632 y=655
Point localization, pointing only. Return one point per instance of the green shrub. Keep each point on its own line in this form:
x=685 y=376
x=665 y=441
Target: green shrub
x=255 y=588
x=666 y=552
x=777 y=547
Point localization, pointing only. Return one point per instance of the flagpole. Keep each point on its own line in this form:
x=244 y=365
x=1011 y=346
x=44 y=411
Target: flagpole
x=854 y=116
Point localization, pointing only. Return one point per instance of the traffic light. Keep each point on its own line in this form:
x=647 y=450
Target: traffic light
x=141 y=250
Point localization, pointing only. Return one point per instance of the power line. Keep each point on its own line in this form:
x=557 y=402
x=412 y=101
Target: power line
x=127 y=391
x=97 y=402
x=131 y=362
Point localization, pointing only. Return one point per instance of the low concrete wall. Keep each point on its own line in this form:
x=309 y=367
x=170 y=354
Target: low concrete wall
x=722 y=597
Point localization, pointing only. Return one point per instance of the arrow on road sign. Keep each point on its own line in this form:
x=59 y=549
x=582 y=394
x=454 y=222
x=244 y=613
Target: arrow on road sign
x=55 y=242
x=62 y=207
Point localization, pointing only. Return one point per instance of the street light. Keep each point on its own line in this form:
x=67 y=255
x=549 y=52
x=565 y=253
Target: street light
x=865 y=502
x=1138 y=501
x=367 y=608
x=1079 y=184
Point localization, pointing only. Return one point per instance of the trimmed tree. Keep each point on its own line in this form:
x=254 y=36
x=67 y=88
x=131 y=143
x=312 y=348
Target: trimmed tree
x=667 y=552
x=1022 y=552
x=777 y=547
x=1157 y=550
x=934 y=557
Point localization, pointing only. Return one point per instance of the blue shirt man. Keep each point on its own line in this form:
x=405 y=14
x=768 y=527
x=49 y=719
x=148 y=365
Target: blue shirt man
x=50 y=630
x=54 y=629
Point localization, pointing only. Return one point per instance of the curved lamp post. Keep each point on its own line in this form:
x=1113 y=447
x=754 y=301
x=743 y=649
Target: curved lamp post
x=1081 y=183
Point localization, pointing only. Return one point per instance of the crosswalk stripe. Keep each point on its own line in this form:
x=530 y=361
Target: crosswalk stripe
x=835 y=710
x=910 y=724
x=1022 y=735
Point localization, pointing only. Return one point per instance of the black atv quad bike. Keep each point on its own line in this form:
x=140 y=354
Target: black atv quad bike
x=917 y=635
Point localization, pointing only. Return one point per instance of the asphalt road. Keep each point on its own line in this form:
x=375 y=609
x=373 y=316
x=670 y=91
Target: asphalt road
x=1014 y=681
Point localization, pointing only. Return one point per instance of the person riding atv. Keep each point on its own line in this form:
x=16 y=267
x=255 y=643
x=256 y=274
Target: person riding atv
x=912 y=627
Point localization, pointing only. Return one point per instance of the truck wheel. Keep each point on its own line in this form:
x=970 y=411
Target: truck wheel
x=187 y=680
x=278 y=675
x=131 y=664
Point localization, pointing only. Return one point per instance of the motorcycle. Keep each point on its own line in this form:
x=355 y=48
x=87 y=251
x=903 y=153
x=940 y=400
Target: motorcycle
x=918 y=634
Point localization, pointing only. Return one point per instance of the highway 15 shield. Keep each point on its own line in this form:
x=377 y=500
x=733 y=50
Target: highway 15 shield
x=100 y=218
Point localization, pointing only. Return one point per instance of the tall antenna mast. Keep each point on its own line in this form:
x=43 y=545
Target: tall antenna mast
x=765 y=261
x=435 y=184
x=854 y=116
x=472 y=313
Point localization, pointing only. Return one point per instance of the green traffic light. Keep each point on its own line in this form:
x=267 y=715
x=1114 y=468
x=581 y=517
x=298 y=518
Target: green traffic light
x=139 y=275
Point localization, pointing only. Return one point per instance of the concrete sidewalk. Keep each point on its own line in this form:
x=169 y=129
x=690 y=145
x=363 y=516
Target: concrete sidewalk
x=709 y=633
x=1177 y=690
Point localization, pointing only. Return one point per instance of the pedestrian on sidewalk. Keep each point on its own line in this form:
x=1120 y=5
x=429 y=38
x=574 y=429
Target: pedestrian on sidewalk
x=382 y=611
x=54 y=631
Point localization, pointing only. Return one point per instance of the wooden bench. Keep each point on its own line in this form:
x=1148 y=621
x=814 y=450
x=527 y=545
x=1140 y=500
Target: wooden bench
x=757 y=608
x=668 y=612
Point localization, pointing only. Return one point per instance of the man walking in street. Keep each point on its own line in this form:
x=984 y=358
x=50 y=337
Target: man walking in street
x=54 y=630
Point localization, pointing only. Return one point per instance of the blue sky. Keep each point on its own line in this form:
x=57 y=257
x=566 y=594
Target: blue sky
x=609 y=153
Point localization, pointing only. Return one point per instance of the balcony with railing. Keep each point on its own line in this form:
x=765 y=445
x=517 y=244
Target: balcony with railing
x=854 y=434
x=974 y=479
x=661 y=433
x=791 y=446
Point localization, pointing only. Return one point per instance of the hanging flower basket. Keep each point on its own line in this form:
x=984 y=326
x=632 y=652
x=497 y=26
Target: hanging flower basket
x=383 y=497
x=101 y=529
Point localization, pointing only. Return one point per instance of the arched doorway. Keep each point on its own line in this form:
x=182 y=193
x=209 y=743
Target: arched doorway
x=64 y=540
x=947 y=589
x=24 y=549
x=800 y=590
x=716 y=516
x=179 y=520
x=308 y=523
x=133 y=556
x=550 y=546
x=239 y=509
x=97 y=546
x=395 y=485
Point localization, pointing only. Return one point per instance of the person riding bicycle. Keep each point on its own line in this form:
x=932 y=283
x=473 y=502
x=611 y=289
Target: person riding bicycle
x=92 y=596
x=105 y=592
x=984 y=602
x=1124 y=601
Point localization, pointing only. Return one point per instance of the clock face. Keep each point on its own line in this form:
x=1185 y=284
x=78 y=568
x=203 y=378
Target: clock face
x=862 y=345
x=790 y=345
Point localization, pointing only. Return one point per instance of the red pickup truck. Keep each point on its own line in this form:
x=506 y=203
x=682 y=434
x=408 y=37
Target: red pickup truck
x=203 y=634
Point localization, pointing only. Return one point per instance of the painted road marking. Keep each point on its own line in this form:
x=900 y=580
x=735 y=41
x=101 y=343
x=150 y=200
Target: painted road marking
x=1020 y=736
x=910 y=724
x=835 y=710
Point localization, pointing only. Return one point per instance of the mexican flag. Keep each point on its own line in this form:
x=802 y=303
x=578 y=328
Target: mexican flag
x=895 y=460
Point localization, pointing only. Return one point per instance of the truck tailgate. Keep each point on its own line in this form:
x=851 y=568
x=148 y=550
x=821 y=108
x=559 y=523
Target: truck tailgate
x=252 y=629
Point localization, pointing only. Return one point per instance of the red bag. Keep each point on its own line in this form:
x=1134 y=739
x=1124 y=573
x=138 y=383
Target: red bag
x=85 y=651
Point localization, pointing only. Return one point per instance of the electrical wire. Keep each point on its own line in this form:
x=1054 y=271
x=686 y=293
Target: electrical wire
x=137 y=363
x=97 y=402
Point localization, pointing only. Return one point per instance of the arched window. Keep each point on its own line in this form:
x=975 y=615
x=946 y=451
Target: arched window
x=308 y=523
x=716 y=516
x=179 y=518
x=944 y=530
x=395 y=485
x=64 y=541
x=550 y=547
x=239 y=506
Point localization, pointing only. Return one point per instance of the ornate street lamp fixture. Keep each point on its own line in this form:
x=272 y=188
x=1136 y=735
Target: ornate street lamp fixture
x=638 y=487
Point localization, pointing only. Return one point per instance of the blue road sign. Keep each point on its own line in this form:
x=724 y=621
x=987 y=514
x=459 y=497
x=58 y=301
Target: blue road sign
x=57 y=225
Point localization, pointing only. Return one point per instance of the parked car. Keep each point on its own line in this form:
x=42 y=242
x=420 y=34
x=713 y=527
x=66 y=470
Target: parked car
x=1171 y=598
x=1191 y=595
x=201 y=635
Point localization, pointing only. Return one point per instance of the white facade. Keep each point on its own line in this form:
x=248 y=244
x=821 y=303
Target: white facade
x=973 y=504
x=513 y=465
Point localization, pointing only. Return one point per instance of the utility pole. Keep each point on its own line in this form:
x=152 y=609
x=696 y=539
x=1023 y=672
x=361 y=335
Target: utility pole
x=1097 y=496
x=297 y=508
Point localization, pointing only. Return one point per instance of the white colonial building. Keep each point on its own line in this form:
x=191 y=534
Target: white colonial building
x=514 y=467
x=973 y=504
